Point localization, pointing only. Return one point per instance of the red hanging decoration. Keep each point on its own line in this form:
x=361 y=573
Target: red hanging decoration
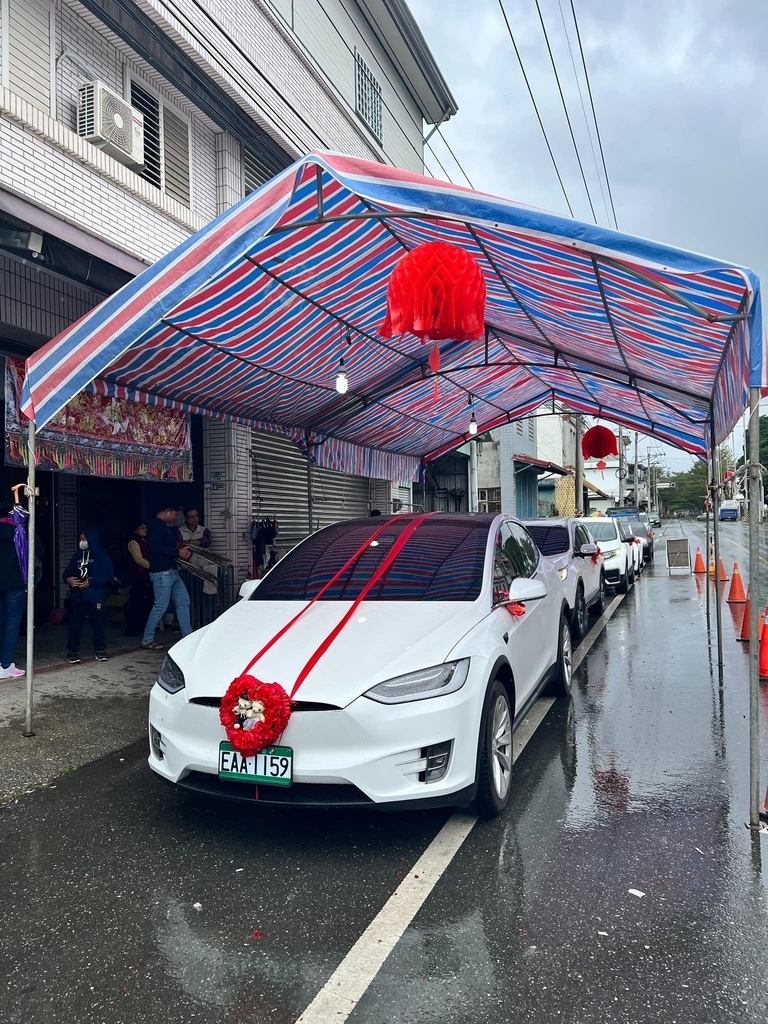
x=436 y=291
x=598 y=442
x=601 y=466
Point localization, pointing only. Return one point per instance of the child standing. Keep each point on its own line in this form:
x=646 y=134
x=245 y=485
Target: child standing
x=88 y=573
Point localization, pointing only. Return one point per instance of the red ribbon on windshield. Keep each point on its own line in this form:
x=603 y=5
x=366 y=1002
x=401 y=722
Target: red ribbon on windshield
x=385 y=565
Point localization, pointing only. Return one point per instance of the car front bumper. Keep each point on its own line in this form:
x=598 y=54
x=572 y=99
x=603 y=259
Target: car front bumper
x=365 y=754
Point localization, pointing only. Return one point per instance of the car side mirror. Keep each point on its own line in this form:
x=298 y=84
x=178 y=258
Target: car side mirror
x=586 y=550
x=524 y=589
x=247 y=588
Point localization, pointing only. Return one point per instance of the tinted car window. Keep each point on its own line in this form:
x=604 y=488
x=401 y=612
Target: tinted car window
x=550 y=540
x=625 y=529
x=639 y=530
x=603 y=530
x=442 y=561
x=520 y=548
x=581 y=536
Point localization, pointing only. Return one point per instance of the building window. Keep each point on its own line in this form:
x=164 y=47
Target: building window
x=520 y=427
x=166 y=145
x=367 y=96
x=255 y=173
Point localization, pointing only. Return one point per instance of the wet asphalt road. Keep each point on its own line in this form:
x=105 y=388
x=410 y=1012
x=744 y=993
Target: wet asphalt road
x=640 y=782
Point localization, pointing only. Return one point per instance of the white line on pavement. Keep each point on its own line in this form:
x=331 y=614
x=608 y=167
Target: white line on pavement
x=348 y=983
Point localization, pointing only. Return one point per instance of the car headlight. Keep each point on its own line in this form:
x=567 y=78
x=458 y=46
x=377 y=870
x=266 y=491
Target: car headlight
x=170 y=676
x=563 y=574
x=610 y=555
x=427 y=682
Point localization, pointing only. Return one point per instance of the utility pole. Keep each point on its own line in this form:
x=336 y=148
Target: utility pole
x=637 y=476
x=622 y=470
x=578 y=469
x=648 y=475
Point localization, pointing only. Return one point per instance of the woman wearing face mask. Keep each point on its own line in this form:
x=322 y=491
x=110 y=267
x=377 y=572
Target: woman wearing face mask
x=88 y=573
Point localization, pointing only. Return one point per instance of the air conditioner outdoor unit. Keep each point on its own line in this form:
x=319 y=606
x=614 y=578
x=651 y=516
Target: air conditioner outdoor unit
x=106 y=120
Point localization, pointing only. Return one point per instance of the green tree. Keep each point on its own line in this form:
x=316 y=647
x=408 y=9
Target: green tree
x=688 y=492
x=763 y=442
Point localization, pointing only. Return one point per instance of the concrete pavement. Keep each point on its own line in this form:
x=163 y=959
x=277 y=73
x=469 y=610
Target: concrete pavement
x=82 y=712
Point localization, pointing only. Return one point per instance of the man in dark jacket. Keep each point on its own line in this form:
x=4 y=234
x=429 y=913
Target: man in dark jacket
x=88 y=573
x=163 y=550
x=13 y=587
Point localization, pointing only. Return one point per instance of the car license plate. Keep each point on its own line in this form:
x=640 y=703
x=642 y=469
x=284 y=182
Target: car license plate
x=272 y=766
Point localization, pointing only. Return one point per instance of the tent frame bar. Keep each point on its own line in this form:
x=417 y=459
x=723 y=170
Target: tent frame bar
x=31 y=490
x=716 y=574
x=340 y=218
x=755 y=471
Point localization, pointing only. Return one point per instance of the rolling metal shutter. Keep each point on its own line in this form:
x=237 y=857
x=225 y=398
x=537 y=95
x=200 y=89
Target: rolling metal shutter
x=280 y=490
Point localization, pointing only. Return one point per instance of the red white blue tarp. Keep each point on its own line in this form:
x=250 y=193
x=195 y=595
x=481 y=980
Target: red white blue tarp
x=249 y=318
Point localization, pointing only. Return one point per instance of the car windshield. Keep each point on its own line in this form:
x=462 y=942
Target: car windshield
x=550 y=540
x=624 y=529
x=639 y=530
x=602 y=530
x=443 y=560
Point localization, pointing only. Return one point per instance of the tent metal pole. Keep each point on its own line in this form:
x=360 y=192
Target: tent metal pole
x=716 y=532
x=707 y=510
x=32 y=506
x=755 y=477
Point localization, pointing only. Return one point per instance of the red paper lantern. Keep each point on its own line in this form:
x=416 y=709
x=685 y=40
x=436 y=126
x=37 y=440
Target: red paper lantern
x=598 y=442
x=436 y=291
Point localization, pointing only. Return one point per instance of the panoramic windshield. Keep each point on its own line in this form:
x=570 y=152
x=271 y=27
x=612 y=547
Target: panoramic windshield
x=605 y=530
x=550 y=540
x=442 y=561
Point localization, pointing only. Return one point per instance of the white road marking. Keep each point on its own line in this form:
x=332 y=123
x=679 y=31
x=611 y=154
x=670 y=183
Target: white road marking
x=348 y=983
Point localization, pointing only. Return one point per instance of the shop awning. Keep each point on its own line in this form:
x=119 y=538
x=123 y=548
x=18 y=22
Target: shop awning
x=249 y=318
x=541 y=465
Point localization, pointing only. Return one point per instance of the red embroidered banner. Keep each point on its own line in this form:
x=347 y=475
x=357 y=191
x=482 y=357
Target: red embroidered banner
x=98 y=436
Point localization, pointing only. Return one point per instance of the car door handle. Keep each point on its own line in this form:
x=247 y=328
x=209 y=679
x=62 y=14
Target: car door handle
x=505 y=638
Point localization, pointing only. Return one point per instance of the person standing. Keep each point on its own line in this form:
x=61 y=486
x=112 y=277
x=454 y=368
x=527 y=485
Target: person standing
x=194 y=535
x=13 y=581
x=142 y=597
x=88 y=573
x=164 y=549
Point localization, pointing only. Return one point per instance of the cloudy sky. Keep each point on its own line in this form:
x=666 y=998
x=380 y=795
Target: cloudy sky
x=679 y=90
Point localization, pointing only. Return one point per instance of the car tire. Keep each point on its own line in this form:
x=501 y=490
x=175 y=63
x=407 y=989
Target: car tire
x=561 y=685
x=632 y=577
x=494 y=761
x=580 y=615
x=598 y=606
x=624 y=583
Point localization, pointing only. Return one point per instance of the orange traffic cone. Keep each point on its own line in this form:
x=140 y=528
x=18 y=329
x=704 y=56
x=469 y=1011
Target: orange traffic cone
x=764 y=812
x=745 y=621
x=763 y=664
x=736 y=594
x=722 y=578
x=698 y=565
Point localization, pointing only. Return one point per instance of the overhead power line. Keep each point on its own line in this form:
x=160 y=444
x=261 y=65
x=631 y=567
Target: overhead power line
x=565 y=111
x=594 y=115
x=598 y=175
x=535 y=107
x=466 y=176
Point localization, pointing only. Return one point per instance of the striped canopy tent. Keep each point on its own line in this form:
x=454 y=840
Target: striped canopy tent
x=249 y=318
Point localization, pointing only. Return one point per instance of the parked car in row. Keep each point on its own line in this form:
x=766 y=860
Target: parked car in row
x=620 y=555
x=418 y=654
x=571 y=547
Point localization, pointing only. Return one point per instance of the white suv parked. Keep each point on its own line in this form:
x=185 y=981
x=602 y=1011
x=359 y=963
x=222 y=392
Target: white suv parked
x=570 y=546
x=618 y=556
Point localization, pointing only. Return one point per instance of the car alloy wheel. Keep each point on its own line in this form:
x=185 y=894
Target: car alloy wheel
x=561 y=687
x=494 y=768
x=599 y=605
x=581 y=617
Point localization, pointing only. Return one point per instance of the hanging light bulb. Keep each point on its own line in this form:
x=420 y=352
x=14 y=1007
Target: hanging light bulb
x=342 y=381
x=472 y=420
